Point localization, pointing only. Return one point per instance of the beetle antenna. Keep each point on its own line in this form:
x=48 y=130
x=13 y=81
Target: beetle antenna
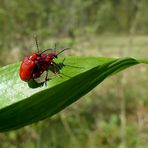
x=55 y=47
x=35 y=37
x=46 y=50
x=62 y=51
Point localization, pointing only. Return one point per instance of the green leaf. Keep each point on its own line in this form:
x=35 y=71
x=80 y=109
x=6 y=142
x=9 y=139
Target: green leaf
x=21 y=105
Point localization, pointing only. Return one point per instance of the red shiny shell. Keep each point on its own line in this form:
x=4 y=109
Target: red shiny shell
x=26 y=69
x=33 y=66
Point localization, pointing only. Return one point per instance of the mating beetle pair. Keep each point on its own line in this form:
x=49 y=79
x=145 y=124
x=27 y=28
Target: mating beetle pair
x=34 y=66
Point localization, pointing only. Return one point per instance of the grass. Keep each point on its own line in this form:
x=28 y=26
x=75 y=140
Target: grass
x=100 y=120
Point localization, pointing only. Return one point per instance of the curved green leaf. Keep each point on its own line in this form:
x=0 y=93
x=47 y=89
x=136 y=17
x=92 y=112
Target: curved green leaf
x=21 y=105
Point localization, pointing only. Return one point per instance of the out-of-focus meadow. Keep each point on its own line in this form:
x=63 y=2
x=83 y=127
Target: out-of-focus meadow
x=112 y=115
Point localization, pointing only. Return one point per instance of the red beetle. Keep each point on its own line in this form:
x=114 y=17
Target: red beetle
x=33 y=66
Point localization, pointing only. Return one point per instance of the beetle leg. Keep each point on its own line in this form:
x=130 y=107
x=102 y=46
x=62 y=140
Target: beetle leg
x=63 y=60
x=56 y=69
x=46 y=78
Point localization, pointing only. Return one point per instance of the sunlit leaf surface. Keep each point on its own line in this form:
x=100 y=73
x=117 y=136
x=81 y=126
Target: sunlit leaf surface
x=21 y=105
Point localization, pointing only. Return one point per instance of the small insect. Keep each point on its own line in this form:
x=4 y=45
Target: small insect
x=34 y=66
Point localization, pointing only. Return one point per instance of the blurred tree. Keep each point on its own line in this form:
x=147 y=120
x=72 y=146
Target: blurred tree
x=20 y=19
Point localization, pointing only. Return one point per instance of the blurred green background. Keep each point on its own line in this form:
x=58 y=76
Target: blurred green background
x=114 y=114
